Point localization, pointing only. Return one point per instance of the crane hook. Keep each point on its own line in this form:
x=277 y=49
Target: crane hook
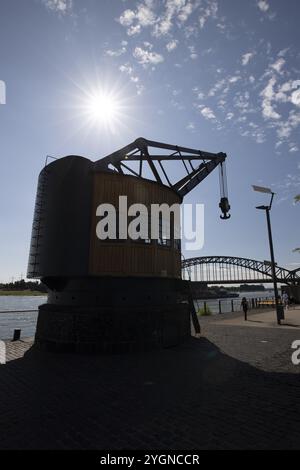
x=225 y=208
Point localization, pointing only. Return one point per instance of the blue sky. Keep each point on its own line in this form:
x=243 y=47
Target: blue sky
x=214 y=75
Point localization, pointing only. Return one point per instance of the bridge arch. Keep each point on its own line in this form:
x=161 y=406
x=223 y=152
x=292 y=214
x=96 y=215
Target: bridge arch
x=232 y=269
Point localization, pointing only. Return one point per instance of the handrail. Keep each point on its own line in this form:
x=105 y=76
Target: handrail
x=19 y=311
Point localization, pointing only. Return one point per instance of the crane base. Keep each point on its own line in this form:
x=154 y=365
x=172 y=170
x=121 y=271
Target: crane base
x=78 y=329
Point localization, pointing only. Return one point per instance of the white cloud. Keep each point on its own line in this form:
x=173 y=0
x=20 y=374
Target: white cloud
x=259 y=136
x=136 y=19
x=268 y=96
x=145 y=15
x=193 y=53
x=283 y=52
x=200 y=95
x=268 y=111
x=116 y=53
x=221 y=104
x=295 y=97
x=208 y=113
x=190 y=126
x=286 y=94
x=186 y=11
x=263 y=5
x=148 y=45
x=59 y=6
x=210 y=10
x=277 y=66
x=286 y=127
x=241 y=101
x=145 y=57
x=126 y=68
x=140 y=89
x=163 y=27
x=234 y=79
x=293 y=148
x=127 y=17
x=175 y=11
x=229 y=116
x=133 y=30
x=172 y=45
x=202 y=21
x=247 y=57
x=218 y=85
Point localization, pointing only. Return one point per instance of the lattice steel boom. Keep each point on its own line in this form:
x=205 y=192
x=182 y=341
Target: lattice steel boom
x=138 y=151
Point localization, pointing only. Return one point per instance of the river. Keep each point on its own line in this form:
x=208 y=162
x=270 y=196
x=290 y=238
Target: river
x=21 y=311
x=226 y=305
x=9 y=319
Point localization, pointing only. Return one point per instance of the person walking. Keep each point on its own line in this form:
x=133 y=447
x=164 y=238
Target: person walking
x=244 y=305
x=285 y=300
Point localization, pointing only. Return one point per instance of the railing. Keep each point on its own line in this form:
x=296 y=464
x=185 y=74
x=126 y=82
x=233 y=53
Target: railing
x=19 y=311
x=220 y=306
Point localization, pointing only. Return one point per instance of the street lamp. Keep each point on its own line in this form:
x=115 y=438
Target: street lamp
x=260 y=189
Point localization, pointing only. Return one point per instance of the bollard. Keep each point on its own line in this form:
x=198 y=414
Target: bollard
x=232 y=307
x=204 y=307
x=17 y=334
x=220 y=309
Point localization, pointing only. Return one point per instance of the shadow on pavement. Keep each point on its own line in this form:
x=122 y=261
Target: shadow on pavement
x=188 y=397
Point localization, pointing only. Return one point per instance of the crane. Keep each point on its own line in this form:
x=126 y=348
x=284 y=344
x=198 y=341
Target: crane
x=140 y=153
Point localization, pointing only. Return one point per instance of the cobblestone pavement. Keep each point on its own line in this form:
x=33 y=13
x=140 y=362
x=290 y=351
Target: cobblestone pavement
x=233 y=388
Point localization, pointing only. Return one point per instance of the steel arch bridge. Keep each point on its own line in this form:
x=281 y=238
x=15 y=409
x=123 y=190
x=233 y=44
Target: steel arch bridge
x=231 y=270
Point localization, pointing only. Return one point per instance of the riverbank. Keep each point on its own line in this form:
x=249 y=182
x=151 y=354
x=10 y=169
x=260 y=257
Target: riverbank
x=19 y=293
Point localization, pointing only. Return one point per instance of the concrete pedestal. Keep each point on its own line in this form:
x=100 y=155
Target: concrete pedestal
x=127 y=316
x=74 y=329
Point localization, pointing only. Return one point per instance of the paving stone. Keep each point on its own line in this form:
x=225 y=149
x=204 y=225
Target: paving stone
x=225 y=390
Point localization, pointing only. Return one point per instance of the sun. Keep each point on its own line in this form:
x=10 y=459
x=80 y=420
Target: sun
x=103 y=107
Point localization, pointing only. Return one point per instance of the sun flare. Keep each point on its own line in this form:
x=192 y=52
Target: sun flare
x=103 y=107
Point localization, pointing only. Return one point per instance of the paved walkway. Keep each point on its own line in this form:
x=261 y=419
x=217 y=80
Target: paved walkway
x=234 y=388
x=262 y=318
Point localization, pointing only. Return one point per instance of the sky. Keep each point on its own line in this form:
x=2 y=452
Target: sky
x=220 y=76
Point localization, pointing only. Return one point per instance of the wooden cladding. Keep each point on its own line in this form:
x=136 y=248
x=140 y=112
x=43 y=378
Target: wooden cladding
x=128 y=257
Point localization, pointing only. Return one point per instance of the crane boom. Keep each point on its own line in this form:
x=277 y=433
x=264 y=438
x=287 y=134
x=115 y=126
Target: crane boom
x=198 y=164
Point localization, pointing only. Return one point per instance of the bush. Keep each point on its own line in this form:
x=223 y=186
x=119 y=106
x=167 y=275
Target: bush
x=202 y=312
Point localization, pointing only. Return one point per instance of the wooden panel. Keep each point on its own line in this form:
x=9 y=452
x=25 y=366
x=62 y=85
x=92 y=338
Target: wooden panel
x=129 y=258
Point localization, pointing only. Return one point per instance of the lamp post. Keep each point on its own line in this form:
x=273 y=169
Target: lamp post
x=267 y=209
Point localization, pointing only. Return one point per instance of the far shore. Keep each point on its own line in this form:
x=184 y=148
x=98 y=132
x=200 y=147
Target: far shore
x=22 y=293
